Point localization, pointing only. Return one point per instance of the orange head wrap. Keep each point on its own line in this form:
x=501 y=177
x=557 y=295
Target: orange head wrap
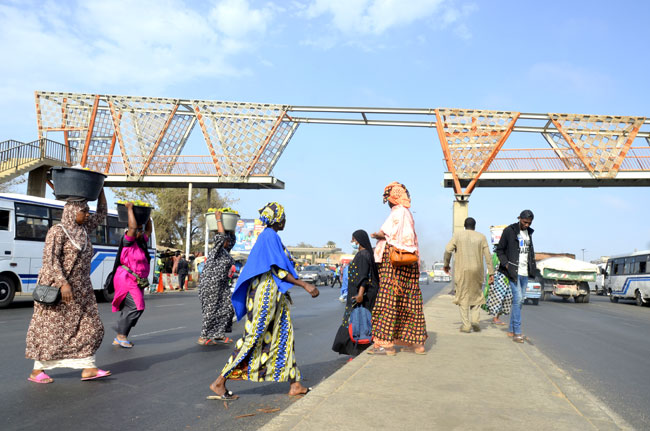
x=397 y=194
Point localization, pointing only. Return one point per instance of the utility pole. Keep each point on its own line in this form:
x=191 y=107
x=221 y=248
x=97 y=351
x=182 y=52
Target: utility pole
x=583 y=253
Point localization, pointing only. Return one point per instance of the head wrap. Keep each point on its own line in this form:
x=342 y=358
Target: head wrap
x=77 y=232
x=272 y=213
x=363 y=239
x=397 y=194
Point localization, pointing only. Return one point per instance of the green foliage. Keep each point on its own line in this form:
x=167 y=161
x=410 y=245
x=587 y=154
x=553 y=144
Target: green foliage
x=170 y=212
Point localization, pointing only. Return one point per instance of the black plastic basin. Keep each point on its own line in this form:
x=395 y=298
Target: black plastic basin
x=141 y=214
x=72 y=183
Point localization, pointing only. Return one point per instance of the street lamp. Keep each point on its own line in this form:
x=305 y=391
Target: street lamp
x=583 y=253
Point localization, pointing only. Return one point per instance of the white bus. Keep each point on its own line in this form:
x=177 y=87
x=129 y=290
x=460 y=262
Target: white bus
x=24 y=222
x=628 y=277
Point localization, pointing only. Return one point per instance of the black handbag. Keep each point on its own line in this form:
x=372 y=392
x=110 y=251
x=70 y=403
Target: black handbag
x=47 y=295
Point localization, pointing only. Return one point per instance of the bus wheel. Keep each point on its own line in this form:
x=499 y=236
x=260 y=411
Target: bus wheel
x=7 y=291
x=612 y=297
x=639 y=300
x=585 y=299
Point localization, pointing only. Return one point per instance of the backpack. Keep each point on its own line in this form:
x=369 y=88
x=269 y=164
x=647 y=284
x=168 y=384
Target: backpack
x=360 y=325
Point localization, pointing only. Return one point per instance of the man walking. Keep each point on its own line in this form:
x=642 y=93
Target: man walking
x=183 y=269
x=472 y=255
x=337 y=276
x=517 y=261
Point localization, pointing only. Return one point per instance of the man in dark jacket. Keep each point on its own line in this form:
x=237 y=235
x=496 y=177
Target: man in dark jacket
x=183 y=269
x=517 y=261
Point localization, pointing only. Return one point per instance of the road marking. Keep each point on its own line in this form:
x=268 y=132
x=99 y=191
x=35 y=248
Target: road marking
x=157 y=332
x=169 y=305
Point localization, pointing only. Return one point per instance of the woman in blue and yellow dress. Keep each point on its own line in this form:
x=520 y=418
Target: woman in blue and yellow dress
x=265 y=353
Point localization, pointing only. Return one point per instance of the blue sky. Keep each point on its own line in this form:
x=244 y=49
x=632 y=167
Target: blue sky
x=555 y=56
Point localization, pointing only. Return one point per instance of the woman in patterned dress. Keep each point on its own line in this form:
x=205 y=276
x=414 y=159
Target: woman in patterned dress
x=68 y=334
x=214 y=289
x=266 y=351
x=363 y=284
x=398 y=317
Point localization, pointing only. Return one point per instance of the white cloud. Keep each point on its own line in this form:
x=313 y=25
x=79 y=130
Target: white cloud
x=127 y=43
x=137 y=47
x=375 y=17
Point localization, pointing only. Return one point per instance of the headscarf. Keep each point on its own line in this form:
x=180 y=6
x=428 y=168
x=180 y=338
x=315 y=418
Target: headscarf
x=364 y=241
x=271 y=213
x=397 y=194
x=77 y=232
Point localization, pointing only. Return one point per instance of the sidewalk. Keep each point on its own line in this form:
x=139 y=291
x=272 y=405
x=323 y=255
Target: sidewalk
x=474 y=381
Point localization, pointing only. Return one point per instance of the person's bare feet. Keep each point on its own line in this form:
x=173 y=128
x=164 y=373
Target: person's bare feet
x=297 y=389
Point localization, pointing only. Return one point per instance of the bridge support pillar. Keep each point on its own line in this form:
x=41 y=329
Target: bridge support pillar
x=36 y=182
x=461 y=210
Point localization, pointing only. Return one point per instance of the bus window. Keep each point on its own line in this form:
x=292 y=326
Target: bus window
x=98 y=236
x=32 y=221
x=4 y=219
x=57 y=214
x=115 y=230
x=618 y=266
x=647 y=265
x=641 y=262
x=629 y=266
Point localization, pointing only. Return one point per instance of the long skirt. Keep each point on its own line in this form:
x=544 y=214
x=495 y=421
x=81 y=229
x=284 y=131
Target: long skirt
x=398 y=317
x=499 y=296
x=266 y=351
x=216 y=308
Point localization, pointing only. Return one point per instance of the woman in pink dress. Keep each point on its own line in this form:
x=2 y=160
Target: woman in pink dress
x=131 y=278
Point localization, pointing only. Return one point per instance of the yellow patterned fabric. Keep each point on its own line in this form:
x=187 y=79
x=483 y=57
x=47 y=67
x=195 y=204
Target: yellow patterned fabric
x=266 y=351
x=271 y=213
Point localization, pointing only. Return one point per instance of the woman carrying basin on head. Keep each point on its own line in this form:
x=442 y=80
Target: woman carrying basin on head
x=214 y=288
x=68 y=334
x=131 y=277
x=265 y=353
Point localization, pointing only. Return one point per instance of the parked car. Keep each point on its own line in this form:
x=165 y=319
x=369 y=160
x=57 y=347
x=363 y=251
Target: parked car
x=315 y=274
x=424 y=277
x=533 y=292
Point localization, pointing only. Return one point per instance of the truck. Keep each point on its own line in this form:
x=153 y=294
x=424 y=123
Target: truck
x=566 y=278
x=439 y=274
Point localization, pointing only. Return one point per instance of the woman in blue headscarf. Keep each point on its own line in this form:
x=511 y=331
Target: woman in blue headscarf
x=265 y=353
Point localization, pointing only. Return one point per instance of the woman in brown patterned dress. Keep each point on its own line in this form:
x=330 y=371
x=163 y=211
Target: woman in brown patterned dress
x=68 y=334
x=398 y=317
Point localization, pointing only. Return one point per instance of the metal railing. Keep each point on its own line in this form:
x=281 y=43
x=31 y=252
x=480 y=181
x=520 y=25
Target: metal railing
x=559 y=160
x=16 y=154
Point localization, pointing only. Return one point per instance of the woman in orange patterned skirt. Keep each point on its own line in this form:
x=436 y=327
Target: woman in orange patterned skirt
x=398 y=318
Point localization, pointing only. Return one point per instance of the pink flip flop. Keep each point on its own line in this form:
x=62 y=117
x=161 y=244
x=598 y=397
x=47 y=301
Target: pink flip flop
x=99 y=375
x=40 y=378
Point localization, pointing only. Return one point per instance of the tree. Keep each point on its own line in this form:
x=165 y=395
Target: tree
x=304 y=245
x=331 y=244
x=170 y=212
x=8 y=186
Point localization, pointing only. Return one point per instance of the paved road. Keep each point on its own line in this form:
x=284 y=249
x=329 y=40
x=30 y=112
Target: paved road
x=162 y=382
x=604 y=346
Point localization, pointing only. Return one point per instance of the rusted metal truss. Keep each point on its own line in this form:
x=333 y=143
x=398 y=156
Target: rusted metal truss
x=144 y=136
x=243 y=139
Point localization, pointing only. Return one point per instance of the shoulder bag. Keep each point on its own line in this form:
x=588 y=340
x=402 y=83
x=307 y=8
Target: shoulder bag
x=50 y=295
x=400 y=257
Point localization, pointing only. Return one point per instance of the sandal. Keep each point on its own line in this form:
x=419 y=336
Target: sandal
x=519 y=338
x=122 y=343
x=225 y=340
x=227 y=396
x=40 y=378
x=206 y=342
x=510 y=334
x=99 y=375
x=381 y=351
x=498 y=322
